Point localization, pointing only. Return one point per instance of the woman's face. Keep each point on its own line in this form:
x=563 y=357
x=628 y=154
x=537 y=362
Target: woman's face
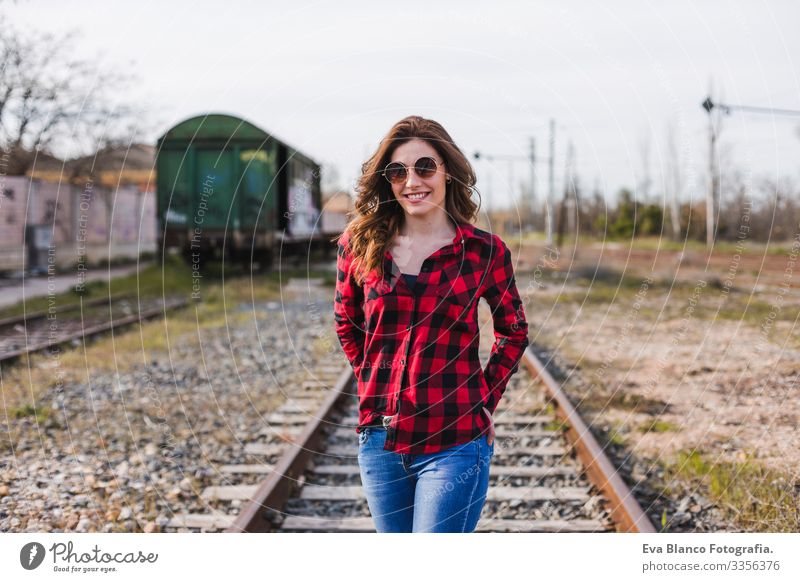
x=433 y=187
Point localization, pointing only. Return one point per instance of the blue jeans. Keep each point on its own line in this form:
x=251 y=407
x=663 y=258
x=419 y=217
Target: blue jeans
x=437 y=492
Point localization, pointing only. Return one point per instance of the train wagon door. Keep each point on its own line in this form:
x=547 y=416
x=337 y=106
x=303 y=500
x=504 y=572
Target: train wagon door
x=174 y=189
x=283 y=189
x=215 y=184
x=259 y=188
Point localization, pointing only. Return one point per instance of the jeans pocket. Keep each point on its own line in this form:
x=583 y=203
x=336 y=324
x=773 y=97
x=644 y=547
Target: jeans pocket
x=363 y=436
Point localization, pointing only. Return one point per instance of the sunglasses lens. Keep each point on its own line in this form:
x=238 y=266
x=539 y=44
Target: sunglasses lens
x=395 y=172
x=425 y=167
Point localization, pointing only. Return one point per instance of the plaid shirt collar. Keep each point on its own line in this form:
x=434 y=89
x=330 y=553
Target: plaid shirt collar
x=464 y=232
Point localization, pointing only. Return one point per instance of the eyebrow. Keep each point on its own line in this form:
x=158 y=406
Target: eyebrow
x=435 y=157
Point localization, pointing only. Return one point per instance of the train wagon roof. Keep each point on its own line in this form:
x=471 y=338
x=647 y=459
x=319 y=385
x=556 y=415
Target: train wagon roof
x=220 y=126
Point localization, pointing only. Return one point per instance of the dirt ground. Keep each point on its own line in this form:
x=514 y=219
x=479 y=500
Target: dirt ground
x=674 y=359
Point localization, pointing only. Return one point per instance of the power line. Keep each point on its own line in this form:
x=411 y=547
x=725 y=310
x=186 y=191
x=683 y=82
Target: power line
x=708 y=105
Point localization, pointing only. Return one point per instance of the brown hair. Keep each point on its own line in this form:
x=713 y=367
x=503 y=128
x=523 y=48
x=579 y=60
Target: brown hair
x=378 y=215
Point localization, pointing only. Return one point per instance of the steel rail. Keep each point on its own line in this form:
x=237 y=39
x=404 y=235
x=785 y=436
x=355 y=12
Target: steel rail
x=96 y=329
x=34 y=315
x=274 y=491
x=625 y=510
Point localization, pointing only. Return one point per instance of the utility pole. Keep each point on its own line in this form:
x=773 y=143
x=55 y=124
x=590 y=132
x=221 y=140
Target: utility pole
x=675 y=180
x=532 y=193
x=565 y=200
x=551 y=193
x=714 y=181
x=511 y=178
x=510 y=159
x=572 y=224
x=489 y=197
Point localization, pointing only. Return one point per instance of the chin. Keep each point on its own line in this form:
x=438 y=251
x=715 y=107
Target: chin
x=422 y=209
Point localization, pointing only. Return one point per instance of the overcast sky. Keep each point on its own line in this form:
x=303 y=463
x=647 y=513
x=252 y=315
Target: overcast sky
x=332 y=77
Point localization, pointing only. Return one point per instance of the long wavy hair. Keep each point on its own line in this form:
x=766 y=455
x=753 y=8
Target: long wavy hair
x=378 y=215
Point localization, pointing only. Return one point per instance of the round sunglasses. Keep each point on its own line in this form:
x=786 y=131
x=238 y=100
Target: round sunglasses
x=397 y=172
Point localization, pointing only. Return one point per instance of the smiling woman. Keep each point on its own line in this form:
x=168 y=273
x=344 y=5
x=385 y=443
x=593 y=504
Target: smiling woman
x=416 y=159
x=410 y=271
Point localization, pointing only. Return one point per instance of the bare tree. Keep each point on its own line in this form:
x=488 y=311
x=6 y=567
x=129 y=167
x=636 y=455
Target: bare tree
x=50 y=99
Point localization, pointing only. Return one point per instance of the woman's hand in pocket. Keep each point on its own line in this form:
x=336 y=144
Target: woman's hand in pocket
x=490 y=438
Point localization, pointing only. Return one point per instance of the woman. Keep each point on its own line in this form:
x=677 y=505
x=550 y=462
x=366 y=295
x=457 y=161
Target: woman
x=410 y=270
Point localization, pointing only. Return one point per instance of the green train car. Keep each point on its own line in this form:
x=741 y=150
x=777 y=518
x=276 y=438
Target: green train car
x=227 y=189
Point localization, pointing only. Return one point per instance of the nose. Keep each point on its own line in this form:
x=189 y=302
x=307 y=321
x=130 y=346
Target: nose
x=412 y=178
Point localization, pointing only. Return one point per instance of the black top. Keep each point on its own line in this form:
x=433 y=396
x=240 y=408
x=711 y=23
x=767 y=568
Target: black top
x=411 y=280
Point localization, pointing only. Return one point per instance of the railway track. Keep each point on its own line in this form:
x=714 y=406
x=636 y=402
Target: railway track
x=41 y=330
x=548 y=473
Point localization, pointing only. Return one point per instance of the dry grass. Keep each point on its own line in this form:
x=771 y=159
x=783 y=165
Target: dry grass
x=755 y=498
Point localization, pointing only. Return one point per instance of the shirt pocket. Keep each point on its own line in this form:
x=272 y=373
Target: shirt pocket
x=456 y=299
x=375 y=287
x=376 y=294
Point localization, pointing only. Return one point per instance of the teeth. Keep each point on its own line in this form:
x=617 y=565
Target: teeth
x=417 y=196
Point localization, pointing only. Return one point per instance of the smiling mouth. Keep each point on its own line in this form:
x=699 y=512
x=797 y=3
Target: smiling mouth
x=417 y=195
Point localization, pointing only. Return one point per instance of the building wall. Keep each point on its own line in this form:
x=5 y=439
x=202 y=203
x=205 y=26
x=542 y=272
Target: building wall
x=100 y=222
x=13 y=201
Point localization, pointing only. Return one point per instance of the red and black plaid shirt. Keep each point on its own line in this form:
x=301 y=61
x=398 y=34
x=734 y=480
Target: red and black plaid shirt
x=416 y=355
